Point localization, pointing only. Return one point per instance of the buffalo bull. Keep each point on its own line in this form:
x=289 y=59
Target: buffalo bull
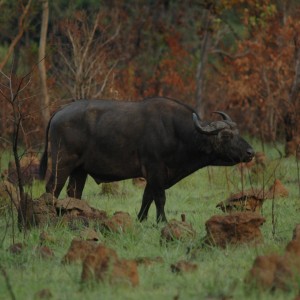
x=160 y=139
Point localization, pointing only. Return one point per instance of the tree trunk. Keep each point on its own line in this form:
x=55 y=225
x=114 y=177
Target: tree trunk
x=290 y=117
x=21 y=25
x=42 y=66
x=203 y=61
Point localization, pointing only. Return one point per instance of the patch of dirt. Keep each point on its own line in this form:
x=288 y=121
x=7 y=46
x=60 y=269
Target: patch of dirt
x=184 y=266
x=78 y=251
x=236 y=228
x=119 y=222
x=103 y=264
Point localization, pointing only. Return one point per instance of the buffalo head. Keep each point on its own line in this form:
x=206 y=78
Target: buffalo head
x=226 y=146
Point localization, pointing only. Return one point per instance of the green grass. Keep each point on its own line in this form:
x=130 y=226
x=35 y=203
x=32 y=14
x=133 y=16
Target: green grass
x=221 y=272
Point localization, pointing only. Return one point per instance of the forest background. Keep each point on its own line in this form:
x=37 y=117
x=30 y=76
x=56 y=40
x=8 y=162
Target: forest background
x=238 y=56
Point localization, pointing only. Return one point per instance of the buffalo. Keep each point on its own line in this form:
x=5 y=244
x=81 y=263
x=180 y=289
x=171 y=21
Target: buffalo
x=160 y=139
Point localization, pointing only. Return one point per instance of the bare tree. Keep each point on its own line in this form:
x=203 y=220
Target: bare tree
x=290 y=116
x=21 y=29
x=42 y=67
x=207 y=17
x=83 y=66
x=11 y=89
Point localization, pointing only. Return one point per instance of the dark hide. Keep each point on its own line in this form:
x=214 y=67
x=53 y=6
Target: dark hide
x=159 y=139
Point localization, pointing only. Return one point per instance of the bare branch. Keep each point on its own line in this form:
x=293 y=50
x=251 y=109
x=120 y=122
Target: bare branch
x=18 y=36
x=106 y=78
x=235 y=56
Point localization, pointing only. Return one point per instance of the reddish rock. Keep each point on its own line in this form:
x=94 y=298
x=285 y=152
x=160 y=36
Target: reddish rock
x=183 y=266
x=119 y=222
x=293 y=247
x=103 y=264
x=262 y=273
x=296 y=232
x=277 y=190
x=177 y=230
x=249 y=200
x=287 y=272
x=44 y=211
x=78 y=251
x=74 y=208
x=277 y=272
x=236 y=228
x=38 y=212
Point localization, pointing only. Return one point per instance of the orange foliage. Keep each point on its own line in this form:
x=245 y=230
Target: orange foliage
x=260 y=81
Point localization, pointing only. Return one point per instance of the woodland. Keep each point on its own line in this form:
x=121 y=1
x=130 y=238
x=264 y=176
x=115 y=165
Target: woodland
x=241 y=57
x=237 y=56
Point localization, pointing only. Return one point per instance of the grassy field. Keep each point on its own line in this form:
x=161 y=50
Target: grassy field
x=221 y=272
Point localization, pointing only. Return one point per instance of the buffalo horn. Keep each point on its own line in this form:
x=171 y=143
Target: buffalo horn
x=212 y=128
x=224 y=115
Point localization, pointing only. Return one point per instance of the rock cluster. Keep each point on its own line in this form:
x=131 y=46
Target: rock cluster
x=103 y=264
x=236 y=228
x=278 y=271
x=177 y=230
x=253 y=199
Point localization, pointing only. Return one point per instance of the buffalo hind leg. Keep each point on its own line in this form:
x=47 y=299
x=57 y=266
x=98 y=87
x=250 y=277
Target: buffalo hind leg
x=56 y=183
x=76 y=183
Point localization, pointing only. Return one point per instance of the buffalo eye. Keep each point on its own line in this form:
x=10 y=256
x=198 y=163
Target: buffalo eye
x=227 y=134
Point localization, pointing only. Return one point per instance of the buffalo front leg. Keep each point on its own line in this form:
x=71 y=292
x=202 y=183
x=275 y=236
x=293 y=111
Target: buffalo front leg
x=146 y=203
x=76 y=183
x=159 y=197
